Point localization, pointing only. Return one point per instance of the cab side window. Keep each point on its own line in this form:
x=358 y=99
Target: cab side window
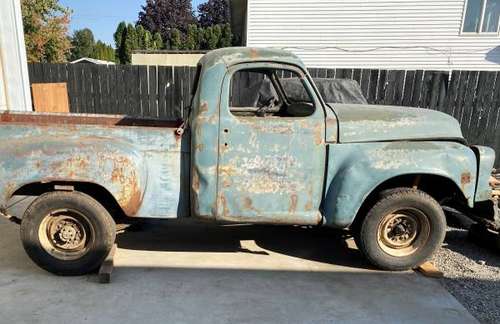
x=269 y=93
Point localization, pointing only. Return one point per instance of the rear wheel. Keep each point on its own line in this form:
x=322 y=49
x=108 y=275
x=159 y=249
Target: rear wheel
x=402 y=230
x=67 y=233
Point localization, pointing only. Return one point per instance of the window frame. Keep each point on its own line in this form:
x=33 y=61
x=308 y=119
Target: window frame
x=481 y=22
x=303 y=76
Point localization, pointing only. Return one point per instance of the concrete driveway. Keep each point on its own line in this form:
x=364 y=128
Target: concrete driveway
x=168 y=273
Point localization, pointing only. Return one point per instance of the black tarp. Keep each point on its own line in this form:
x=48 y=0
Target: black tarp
x=332 y=90
x=252 y=90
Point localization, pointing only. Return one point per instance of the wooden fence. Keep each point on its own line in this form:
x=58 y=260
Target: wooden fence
x=472 y=97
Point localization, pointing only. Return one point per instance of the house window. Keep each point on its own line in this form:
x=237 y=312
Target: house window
x=481 y=16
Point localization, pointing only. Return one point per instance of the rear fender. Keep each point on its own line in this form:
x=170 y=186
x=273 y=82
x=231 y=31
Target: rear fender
x=112 y=164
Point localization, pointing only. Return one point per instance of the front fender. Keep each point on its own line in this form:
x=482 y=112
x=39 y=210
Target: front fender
x=110 y=163
x=355 y=170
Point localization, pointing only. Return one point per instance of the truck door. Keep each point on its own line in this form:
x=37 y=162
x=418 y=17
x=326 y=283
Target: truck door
x=271 y=146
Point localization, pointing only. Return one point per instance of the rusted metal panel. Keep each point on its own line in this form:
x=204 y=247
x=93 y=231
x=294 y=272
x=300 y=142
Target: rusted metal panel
x=486 y=160
x=370 y=123
x=356 y=169
x=139 y=166
x=270 y=169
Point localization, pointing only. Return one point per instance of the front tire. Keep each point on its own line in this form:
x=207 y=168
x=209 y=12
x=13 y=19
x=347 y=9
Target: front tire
x=67 y=233
x=402 y=230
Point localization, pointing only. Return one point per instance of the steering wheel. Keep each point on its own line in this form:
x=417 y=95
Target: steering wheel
x=265 y=108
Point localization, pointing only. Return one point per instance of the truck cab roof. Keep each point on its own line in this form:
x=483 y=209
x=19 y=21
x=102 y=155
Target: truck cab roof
x=235 y=55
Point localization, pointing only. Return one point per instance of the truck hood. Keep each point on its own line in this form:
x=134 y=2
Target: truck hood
x=372 y=123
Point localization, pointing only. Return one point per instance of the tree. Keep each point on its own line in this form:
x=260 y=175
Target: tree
x=214 y=12
x=82 y=44
x=103 y=51
x=176 y=40
x=129 y=38
x=226 y=38
x=163 y=16
x=45 y=25
x=192 y=38
x=157 y=41
x=118 y=34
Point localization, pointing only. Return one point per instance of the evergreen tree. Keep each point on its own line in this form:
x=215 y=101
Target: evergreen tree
x=103 y=51
x=176 y=39
x=192 y=38
x=82 y=43
x=118 y=34
x=157 y=42
x=226 y=38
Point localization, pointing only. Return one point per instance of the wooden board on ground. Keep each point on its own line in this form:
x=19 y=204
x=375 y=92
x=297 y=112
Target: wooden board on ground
x=429 y=270
x=50 y=97
x=107 y=267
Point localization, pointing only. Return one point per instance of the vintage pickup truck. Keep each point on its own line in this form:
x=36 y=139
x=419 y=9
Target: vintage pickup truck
x=281 y=155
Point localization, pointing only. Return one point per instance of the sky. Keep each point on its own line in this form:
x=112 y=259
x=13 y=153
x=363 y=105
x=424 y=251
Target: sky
x=103 y=16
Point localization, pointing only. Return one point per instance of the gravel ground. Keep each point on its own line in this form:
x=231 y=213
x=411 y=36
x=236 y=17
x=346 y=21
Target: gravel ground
x=471 y=274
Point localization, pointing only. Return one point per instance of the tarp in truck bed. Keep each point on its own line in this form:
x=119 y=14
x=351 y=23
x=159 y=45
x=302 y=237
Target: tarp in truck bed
x=332 y=90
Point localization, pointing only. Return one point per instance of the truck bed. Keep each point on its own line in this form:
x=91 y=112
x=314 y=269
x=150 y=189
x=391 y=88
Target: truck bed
x=140 y=161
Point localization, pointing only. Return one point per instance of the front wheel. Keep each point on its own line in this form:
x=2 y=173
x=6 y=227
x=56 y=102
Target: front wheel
x=402 y=230
x=67 y=233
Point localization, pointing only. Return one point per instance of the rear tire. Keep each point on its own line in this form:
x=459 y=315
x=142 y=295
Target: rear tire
x=402 y=230
x=67 y=233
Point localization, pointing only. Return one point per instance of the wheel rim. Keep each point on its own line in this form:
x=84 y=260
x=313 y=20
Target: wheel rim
x=66 y=234
x=403 y=232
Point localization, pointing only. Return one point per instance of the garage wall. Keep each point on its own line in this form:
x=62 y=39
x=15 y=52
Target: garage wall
x=397 y=34
x=14 y=82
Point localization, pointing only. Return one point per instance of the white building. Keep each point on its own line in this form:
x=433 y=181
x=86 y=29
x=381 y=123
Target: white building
x=393 y=34
x=14 y=80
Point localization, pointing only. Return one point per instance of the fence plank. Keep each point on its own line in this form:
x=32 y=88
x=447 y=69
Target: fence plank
x=365 y=82
x=372 y=95
x=153 y=92
x=452 y=92
x=144 y=95
x=408 y=88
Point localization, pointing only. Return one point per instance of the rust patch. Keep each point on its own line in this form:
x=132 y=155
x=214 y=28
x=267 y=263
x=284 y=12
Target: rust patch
x=204 y=107
x=199 y=147
x=196 y=181
x=10 y=188
x=83 y=119
x=71 y=168
x=226 y=183
x=225 y=209
x=253 y=53
x=318 y=135
x=465 y=179
x=293 y=203
x=248 y=204
x=124 y=175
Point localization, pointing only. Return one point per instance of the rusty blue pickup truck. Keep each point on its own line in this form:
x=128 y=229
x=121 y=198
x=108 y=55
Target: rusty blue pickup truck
x=260 y=144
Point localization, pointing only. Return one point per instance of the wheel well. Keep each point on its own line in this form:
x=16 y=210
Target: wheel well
x=99 y=193
x=442 y=189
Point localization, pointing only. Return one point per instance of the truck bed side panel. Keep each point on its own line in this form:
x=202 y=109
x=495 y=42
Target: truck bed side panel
x=146 y=169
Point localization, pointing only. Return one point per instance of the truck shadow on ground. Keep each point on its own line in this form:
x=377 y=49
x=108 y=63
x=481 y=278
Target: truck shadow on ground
x=315 y=244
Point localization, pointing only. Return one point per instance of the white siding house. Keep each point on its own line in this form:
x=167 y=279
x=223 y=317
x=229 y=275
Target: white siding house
x=393 y=34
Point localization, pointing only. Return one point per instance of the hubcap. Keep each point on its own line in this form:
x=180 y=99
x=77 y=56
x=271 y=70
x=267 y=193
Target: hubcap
x=66 y=234
x=402 y=232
